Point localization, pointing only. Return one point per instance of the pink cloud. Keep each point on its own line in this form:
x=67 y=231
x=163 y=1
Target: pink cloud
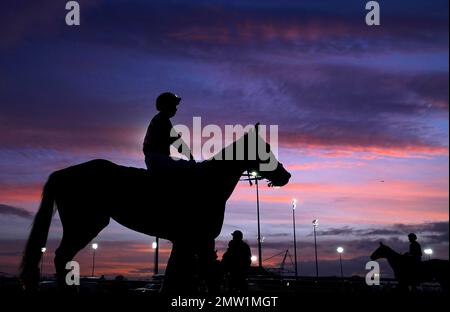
x=21 y=192
x=248 y=30
x=321 y=146
x=359 y=203
x=324 y=165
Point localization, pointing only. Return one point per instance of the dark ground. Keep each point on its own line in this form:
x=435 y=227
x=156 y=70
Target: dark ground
x=305 y=294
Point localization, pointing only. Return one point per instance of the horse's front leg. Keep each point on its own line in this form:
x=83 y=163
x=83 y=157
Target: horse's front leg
x=191 y=265
x=181 y=273
x=209 y=267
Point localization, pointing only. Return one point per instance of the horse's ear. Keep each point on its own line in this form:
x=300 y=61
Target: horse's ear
x=381 y=244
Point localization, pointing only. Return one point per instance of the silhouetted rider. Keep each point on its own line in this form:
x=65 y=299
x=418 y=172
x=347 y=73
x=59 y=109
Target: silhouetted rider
x=161 y=135
x=415 y=250
x=236 y=262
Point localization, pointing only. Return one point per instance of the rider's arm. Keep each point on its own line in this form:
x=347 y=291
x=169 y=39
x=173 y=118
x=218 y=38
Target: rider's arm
x=183 y=148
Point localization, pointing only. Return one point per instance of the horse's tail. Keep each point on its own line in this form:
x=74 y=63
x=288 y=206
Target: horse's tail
x=38 y=236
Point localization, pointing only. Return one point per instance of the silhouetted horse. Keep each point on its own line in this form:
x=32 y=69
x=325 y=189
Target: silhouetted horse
x=408 y=273
x=186 y=207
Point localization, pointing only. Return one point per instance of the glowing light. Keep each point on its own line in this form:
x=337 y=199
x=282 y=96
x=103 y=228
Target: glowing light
x=254 y=258
x=43 y=249
x=94 y=246
x=340 y=250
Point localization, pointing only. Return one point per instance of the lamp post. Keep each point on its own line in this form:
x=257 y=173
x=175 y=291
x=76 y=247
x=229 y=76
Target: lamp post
x=315 y=225
x=155 y=246
x=294 y=205
x=255 y=175
x=43 y=250
x=428 y=252
x=340 y=250
x=94 y=247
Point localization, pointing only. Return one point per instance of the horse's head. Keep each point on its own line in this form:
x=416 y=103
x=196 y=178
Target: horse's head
x=253 y=154
x=381 y=252
x=267 y=165
x=277 y=177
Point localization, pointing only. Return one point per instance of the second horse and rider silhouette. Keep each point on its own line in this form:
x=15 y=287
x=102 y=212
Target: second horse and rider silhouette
x=409 y=269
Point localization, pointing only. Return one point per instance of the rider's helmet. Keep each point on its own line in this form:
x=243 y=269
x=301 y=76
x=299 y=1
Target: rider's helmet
x=412 y=236
x=237 y=235
x=167 y=99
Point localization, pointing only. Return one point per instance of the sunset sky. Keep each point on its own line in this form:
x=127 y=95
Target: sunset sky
x=362 y=114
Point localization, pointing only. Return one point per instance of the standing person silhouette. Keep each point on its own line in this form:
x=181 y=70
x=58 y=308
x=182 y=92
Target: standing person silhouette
x=161 y=135
x=236 y=262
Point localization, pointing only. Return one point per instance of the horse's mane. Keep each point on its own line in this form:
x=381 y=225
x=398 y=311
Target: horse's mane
x=221 y=154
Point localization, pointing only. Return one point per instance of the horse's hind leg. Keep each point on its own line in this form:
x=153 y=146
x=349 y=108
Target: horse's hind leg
x=71 y=243
x=64 y=253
